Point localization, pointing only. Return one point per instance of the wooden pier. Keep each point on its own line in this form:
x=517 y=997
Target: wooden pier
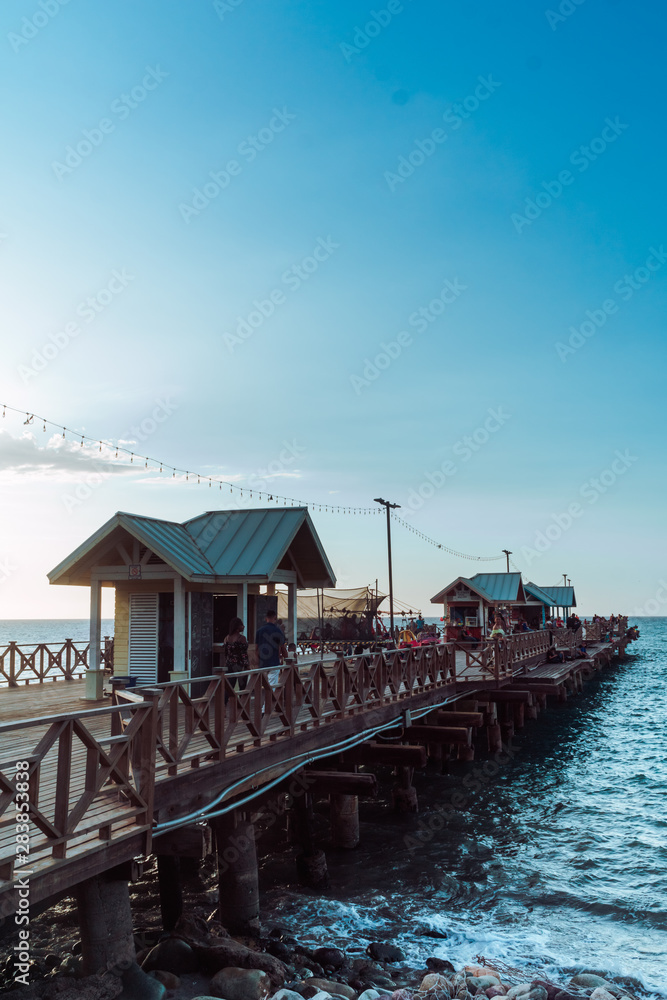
x=105 y=783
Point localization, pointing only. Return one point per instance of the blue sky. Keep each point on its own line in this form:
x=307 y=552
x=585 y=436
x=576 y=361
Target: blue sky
x=116 y=115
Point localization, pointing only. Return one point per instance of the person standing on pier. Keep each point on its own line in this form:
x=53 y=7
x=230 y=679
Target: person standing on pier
x=271 y=648
x=236 y=651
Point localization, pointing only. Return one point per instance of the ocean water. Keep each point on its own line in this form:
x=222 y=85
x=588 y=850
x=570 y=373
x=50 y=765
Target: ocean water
x=555 y=861
x=29 y=631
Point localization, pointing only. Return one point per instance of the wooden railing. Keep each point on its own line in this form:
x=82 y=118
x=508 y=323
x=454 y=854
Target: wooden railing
x=90 y=783
x=241 y=711
x=40 y=662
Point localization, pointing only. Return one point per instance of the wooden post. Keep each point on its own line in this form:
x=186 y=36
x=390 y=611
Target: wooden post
x=403 y=794
x=311 y=863
x=238 y=881
x=291 y=612
x=171 y=894
x=180 y=651
x=94 y=675
x=105 y=922
x=344 y=821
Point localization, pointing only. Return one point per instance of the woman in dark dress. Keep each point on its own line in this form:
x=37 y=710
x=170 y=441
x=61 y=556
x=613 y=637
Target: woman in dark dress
x=236 y=651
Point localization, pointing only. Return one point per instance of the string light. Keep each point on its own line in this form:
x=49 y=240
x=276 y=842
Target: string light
x=439 y=545
x=123 y=453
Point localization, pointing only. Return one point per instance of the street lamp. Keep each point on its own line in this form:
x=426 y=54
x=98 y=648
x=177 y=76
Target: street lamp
x=389 y=507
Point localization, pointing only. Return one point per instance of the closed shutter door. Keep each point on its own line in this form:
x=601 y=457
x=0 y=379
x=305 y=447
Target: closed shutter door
x=143 y=644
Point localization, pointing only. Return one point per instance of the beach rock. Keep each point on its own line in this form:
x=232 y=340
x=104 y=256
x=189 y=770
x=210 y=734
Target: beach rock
x=590 y=981
x=286 y=994
x=241 y=984
x=496 y=991
x=481 y=970
x=369 y=995
x=434 y=964
x=331 y=958
x=387 y=984
x=385 y=952
x=227 y=953
x=482 y=982
x=517 y=991
x=172 y=955
x=402 y=995
x=168 y=979
x=551 y=988
x=434 y=981
x=137 y=985
x=600 y=993
x=564 y=995
x=340 y=989
x=279 y=950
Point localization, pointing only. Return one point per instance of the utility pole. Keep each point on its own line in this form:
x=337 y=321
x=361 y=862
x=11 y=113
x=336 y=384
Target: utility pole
x=565 y=579
x=507 y=555
x=389 y=507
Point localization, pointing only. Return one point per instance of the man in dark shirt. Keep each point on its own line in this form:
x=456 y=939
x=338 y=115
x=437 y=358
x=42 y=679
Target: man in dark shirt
x=270 y=647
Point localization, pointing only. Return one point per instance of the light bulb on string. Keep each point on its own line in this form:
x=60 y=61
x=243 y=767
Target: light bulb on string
x=63 y=433
x=44 y=427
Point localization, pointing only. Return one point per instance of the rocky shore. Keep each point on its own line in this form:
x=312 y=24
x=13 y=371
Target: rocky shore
x=199 y=960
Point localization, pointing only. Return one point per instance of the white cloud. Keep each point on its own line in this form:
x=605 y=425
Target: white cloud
x=57 y=460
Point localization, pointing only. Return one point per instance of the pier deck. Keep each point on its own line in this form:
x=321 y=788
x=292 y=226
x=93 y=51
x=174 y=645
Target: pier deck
x=104 y=778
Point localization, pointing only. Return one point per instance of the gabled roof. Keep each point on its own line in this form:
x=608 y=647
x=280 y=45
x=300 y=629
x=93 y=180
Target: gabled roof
x=489 y=586
x=532 y=590
x=561 y=597
x=501 y=586
x=230 y=544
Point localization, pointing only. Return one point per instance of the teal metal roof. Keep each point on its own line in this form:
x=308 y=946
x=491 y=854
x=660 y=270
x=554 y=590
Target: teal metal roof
x=249 y=544
x=253 y=543
x=537 y=592
x=489 y=586
x=561 y=597
x=499 y=586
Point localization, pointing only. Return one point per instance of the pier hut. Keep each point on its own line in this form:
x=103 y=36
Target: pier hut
x=562 y=599
x=177 y=586
x=469 y=602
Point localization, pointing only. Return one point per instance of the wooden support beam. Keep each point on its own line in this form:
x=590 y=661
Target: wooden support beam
x=509 y=694
x=341 y=783
x=467 y=719
x=392 y=754
x=195 y=841
x=439 y=734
